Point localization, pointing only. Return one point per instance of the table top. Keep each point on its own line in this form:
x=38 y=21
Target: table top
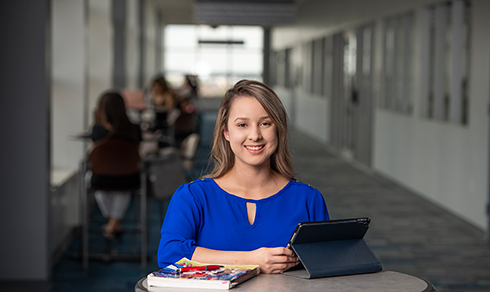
x=385 y=281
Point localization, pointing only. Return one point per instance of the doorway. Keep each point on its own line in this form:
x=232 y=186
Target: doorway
x=352 y=106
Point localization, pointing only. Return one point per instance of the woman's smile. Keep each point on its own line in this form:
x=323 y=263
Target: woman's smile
x=255 y=149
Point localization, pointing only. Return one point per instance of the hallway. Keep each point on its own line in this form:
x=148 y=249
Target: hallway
x=408 y=234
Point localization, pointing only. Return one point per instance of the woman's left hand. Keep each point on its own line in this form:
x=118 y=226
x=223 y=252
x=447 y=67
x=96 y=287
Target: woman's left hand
x=274 y=260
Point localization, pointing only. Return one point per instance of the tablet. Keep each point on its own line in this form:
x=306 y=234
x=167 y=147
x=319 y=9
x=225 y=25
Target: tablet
x=333 y=248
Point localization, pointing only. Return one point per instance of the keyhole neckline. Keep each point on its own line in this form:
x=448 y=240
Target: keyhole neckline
x=280 y=192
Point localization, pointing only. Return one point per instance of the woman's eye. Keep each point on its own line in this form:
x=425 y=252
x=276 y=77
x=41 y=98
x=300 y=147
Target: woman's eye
x=265 y=124
x=241 y=125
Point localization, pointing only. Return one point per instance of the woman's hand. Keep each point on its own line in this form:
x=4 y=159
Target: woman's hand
x=274 y=260
x=270 y=260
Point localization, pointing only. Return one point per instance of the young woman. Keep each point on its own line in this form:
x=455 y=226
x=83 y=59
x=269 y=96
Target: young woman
x=245 y=211
x=111 y=121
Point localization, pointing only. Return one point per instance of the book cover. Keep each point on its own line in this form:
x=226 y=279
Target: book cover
x=189 y=274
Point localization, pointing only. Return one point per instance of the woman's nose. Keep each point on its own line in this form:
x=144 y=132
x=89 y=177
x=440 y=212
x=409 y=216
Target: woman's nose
x=255 y=134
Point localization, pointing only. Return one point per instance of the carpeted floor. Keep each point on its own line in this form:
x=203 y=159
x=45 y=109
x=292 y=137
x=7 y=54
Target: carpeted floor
x=115 y=275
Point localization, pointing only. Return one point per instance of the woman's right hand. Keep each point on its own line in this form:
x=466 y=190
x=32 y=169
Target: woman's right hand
x=274 y=260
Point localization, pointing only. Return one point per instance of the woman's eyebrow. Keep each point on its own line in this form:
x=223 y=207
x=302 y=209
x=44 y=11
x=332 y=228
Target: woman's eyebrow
x=245 y=118
x=241 y=118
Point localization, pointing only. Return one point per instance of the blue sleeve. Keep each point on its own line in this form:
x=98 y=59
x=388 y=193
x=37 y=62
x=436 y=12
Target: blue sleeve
x=182 y=222
x=318 y=208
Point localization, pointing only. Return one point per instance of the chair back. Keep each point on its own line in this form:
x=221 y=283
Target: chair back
x=189 y=146
x=188 y=150
x=115 y=165
x=166 y=173
x=115 y=157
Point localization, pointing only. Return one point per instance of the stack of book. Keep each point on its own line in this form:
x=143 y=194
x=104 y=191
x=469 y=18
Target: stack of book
x=188 y=274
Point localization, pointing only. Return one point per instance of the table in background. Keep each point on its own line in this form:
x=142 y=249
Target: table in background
x=382 y=281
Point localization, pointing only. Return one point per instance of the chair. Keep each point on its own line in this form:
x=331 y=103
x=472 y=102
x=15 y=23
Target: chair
x=166 y=173
x=187 y=151
x=116 y=166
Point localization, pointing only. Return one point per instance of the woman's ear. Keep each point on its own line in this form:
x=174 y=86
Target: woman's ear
x=226 y=134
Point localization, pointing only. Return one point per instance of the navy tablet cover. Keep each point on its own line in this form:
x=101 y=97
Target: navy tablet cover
x=333 y=248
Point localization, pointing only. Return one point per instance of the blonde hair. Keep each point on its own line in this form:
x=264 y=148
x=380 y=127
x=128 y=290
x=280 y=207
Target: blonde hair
x=221 y=152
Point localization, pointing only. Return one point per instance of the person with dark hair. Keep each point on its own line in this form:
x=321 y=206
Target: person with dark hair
x=111 y=121
x=246 y=209
x=164 y=105
x=162 y=96
x=186 y=122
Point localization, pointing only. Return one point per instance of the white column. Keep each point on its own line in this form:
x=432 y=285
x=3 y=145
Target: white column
x=100 y=52
x=132 y=44
x=68 y=83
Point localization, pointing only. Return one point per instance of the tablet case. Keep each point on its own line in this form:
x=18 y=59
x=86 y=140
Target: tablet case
x=333 y=248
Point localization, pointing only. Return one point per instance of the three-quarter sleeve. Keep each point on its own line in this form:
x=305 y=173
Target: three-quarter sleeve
x=180 y=227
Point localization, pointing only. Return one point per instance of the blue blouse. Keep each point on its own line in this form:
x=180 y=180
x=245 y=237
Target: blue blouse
x=203 y=214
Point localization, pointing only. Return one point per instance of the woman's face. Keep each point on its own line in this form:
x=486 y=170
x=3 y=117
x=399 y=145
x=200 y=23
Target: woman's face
x=251 y=132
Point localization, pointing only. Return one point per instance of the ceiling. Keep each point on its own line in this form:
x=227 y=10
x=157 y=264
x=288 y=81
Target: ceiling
x=233 y=12
x=176 y=12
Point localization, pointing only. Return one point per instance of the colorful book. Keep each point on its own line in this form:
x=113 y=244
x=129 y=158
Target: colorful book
x=189 y=274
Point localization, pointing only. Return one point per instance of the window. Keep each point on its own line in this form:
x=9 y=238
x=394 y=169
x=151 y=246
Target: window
x=220 y=56
x=398 y=58
x=328 y=67
x=281 y=66
x=317 y=66
x=446 y=51
x=307 y=55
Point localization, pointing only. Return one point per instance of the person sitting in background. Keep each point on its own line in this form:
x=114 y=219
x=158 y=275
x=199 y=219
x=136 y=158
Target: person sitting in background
x=246 y=210
x=186 y=123
x=164 y=104
x=162 y=96
x=111 y=121
x=190 y=89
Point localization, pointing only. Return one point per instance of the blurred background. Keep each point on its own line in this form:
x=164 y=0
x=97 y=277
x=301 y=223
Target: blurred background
x=395 y=87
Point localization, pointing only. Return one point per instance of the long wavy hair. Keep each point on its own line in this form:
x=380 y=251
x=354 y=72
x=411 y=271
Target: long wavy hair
x=221 y=152
x=112 y=109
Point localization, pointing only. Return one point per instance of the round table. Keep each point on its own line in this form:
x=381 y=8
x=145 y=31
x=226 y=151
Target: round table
x=385 y=281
